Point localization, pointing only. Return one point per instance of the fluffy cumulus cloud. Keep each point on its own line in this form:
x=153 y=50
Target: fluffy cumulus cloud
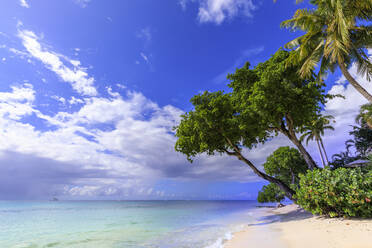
x=217 y=11
x=118 y=146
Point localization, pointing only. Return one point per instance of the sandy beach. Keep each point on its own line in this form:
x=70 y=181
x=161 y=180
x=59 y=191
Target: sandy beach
x=292 y=227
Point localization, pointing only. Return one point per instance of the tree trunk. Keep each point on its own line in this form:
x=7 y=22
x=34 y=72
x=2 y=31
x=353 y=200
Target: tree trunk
x=291 y=135
x=353 y=82
x=284 y=187
x=308 y=159
x=320 y=152
x=324 y=150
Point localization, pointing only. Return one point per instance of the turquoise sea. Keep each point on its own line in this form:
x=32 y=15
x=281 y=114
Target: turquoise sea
x=121 y=224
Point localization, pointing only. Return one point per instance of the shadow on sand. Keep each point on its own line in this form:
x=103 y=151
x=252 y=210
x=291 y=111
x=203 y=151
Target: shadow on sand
x=273 y=217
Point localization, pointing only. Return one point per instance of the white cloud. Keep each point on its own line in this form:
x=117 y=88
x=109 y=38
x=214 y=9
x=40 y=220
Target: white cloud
x=217 y=11
x=18 y=103
x=82 y=3
x=76 y=76
x=75 y=100
x=128 y=139
x=60 y=99
x=145 y=57
x=23 y=3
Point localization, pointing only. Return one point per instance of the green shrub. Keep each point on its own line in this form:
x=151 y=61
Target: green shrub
x=342 y=192
x=270 y=193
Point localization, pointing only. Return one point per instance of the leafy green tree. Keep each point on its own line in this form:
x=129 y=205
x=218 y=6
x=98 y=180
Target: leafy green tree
x=270 y=193
x=283 y=102
x=286 y=164
x=335 y=35
x=216 y=127
x=362 y=140
x=315 y=131
x=365 y=115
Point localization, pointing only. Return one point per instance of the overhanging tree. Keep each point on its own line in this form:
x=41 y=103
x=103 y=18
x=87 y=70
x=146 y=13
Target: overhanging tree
x=216 y=127
x=281 y=100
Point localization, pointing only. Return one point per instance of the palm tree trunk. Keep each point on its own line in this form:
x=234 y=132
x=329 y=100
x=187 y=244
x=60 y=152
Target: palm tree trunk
x=353 y=82
x=324 y=150
x=320 y=152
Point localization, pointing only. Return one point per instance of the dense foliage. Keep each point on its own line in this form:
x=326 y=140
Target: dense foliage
x=341 y=192
x=337 y=33
x=215 y=127
x=270 y=193
x=283 y=102
x=266 y=100
x=286 y=164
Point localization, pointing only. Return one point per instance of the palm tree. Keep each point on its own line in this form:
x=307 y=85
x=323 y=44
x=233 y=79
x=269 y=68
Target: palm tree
x=316 y=131
x=341 y=159
x=365 y=115
x=333 y=38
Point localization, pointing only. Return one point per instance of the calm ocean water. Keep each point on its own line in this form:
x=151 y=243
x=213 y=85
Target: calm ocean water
x=121 y=224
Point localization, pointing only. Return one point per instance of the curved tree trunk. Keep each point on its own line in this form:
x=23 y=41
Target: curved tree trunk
x=290 y=132
x=320 y=152
x=284 y=187
x=324 y=150
x=353 y=82
x=309 y=160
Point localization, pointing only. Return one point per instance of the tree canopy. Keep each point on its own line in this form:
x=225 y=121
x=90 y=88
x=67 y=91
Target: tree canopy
x=336 y=34
x=286 y=164
x=215 y=126
x=266 y=100
x=283 y=102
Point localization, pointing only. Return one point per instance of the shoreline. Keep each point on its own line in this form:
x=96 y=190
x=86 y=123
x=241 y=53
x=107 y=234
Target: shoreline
x=293 y=227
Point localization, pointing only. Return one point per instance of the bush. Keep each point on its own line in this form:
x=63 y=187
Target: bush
x=335 y=193
x=270 y=193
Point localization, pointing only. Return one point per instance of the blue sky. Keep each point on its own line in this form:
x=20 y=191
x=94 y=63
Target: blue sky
x=90 y=91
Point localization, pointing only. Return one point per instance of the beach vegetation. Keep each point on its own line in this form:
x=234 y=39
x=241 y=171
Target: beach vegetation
x=215 y=127
x=315 y=131
x=285 y=163
x=365 y=115
x=270 y=193
x=342 y=192
x=265 y=101
x=283 y=102
x=337 y=34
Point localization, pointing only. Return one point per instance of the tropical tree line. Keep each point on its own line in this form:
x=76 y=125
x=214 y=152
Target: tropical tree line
x=267 y=100
x=284 y=95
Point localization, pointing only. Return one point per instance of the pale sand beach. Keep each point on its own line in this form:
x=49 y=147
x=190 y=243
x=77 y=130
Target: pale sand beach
x=292 y=227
